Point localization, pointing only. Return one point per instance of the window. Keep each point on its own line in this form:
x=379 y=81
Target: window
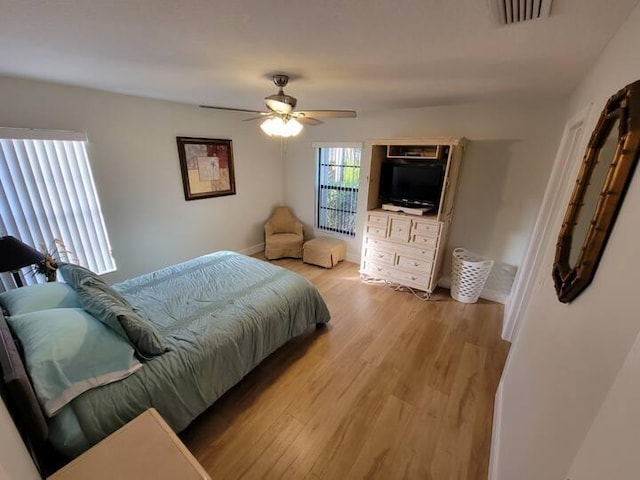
x=48 y=193
x=337 y=187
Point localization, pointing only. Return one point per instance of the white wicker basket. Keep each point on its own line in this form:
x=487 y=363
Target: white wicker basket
x=469 y=272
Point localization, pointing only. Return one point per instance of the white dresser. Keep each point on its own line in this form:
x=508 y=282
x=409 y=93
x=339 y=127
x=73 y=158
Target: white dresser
x=402 y=248
x=406 y=249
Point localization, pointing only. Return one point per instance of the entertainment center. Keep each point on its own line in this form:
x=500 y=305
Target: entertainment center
x=412 y=184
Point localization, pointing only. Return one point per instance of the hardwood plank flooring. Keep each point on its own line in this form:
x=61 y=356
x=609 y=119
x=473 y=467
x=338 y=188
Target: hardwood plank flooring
x=394 y=388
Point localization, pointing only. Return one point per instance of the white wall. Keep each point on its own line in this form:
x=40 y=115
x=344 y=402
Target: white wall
x=133 y=153
x=505 y=168
x=15 y=462
x=566 y=357
x=610 y=449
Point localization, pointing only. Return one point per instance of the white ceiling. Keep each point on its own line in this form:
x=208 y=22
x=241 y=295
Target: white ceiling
x=355 y=54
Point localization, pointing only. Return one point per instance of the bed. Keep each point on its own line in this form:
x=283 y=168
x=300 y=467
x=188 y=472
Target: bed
x=220 y=315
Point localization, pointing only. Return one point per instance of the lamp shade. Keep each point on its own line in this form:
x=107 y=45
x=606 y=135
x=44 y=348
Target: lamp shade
x=14 y=254
x=279 y=127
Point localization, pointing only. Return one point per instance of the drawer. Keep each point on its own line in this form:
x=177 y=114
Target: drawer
x=374 y=243
x=379 y=255
x=375 y=269
x=377 y=219
x=411 y=279
x=425 y=228
x=424 y=241
x=423 y=253
x=414 y=264
x=399 y=229
x=374 y=231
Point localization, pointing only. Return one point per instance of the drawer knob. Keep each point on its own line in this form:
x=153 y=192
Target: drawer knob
x=414 y=278
x=416 y=264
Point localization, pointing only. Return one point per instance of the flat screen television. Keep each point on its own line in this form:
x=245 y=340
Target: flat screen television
x=412 y=184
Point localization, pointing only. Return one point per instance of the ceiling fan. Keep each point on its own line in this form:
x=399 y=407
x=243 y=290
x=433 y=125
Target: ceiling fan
x=281 y=119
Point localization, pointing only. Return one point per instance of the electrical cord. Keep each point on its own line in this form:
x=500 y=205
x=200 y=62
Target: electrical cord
x=419 y=294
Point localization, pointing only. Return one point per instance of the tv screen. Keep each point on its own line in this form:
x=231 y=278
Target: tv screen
x=411 y=184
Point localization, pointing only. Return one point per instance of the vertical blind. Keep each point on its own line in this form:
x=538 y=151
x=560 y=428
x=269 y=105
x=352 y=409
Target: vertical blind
x=337 y=197
x=48 y=194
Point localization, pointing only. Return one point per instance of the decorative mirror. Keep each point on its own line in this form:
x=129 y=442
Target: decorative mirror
x=605 y=174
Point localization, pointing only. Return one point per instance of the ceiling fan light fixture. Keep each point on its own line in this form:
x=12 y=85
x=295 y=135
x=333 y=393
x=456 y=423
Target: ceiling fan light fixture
x=280 y=103
x=292 y=127
x=271 y=126
x=279 y=127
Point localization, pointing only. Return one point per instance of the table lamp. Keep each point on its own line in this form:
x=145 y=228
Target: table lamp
x=14 y=255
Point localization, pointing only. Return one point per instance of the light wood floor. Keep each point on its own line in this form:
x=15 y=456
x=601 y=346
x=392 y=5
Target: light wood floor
x=394 y=388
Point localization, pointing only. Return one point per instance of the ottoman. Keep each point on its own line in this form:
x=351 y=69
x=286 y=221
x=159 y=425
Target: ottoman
x=324 y=251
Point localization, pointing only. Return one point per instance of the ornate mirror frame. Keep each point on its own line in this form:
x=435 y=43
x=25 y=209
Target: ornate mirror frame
x=622 y=108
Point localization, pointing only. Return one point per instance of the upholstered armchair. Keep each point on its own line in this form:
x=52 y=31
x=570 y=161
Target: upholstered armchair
x=283 y=235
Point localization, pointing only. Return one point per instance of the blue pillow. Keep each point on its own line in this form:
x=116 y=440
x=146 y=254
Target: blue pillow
x=76 y=275
x=114 y=311
x=42 y=296
x=104 y=303
x=68 y=352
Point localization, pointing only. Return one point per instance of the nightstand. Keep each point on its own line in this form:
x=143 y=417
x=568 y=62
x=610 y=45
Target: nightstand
x=146 y=447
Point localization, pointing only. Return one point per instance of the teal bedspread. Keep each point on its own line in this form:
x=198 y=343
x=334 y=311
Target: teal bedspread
x=222 y=314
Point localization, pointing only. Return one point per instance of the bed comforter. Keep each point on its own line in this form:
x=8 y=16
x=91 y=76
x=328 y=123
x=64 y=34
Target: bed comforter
x=221 y=314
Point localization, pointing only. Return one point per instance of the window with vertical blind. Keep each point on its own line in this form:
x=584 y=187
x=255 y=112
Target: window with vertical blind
x=48 y=193
x=337 y=187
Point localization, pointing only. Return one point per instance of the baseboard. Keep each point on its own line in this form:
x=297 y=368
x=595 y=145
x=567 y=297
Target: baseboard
x=487 y=294
x=495 y=296
x=494 y=456
x=253 y=249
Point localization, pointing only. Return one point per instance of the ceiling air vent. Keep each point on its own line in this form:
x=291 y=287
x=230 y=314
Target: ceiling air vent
x=516 y=11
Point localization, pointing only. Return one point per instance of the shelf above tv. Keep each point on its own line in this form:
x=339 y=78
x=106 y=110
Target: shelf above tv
x=432 y=152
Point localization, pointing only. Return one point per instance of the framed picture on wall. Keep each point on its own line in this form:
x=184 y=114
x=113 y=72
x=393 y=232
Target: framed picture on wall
x=207 y=167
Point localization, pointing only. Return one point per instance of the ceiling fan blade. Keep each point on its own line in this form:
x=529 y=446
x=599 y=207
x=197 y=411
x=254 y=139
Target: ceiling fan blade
x=243 y=110
x=309 y=121
x=257 y=118
x=328 y=113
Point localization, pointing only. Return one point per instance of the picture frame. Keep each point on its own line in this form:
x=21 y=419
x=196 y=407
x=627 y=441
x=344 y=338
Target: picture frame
x=207 y=167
